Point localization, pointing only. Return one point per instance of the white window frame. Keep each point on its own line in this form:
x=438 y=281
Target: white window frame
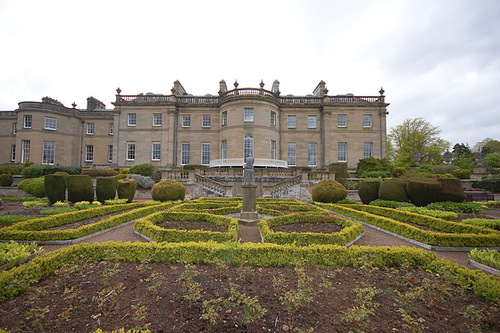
x=89 y=153
x=342 y=120
x=110 y=153
x=367 y=120
x=131 y=149
x=292 y=153
x=13 y=153
x=206 y=120
x=342 y=151
x=223 y=149
x=157 y=119
x=367 y=150
x=156 y=151
x=90 y=128
x=248 y=114
x=186 y=120
x=273 y=149
x=50 y=124
x=273 y=118
x=205 y=153
x=14 y=128
x=291 y=121
x=111 y=128
x=185 y=152
x=224 y=118
x=49 y=153
x=25 y=151
x=311 y=122
x=312 y=154
x=248 y=146
x=131 y=119
x=27 y=121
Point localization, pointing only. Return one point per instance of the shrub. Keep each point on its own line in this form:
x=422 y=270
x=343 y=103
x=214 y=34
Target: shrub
x=376 y=174
x=442 y=169
x=126 y=189
x=55 y=188
x=373 y=164
x=328 y=191
x=142 y=181
x=105 y=189
x=6 y=179
x=119 y=177
x=33 y=171
x=193 y=167
x=80 y=188
x=490 y=223
x=393 y=190
x=451 y=190
x=347 y=202
x=458 y=207
x=100 y=172
x=168 y=189
x=492 y=161
x=390 y=204
x=423 y=191
x=461 y=173
x=368 y=190
x=65 y=174
x=145 y=169
x=398 y=172
x=36 y=170
x=12 y=169
x=340 y=170
x=489 y=184
x=34 y=186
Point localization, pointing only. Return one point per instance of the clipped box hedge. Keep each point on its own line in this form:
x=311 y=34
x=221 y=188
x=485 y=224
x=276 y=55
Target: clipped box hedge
x=36 y=229
x=148 y=227
x=350 y=230
x=453 y=234
x=18 y=279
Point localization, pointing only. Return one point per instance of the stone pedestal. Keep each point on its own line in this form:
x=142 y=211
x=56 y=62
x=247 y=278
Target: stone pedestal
x=249 y=213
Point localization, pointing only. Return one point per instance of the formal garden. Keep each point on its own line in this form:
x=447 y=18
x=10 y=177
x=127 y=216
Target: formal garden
x=191 y=272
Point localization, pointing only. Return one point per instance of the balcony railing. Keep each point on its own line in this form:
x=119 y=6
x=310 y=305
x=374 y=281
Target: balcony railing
x=353 y=99
x=239 y=162
x=143 y=98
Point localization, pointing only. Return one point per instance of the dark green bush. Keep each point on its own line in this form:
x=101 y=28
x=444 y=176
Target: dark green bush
x=105 y=189
x=65 y=174
x=168 y=189
x=340 y=170
x=373 y=164
x=451 y=190
x=393 y=190
x=6 y=179
x=328 y=191
x=423 y=191
x=376 y=174
x=80 y=188
x=37 y=170
x=368 y=190
x=442 y=169
x=146 y=169
x=100 y=172
x=34 y=186
x=462 y=173
x=398 y=172
x=489 y=184
x=193 y=167
x=118 y=177
x=55 y=188
x=126 y=189
x=12 y=169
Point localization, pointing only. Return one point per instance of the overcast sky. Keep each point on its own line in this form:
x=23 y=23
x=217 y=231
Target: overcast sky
x=436 y=59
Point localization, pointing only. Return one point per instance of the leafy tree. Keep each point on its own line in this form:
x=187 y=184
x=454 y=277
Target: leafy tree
x=492 y=161
x=463 y=156
x=416 y=135
x=491 y=147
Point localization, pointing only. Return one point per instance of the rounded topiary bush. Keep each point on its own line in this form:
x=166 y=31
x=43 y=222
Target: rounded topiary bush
x=393 y=190
x=80 y=188
x=126 y=189
x=33 y=186
x=168 y=189
x=451 y=190
x=65 y=174
x=398 y=172
x=368 y=191
x=105 y=189
x=328 y=190
x=462 y=173
x=423 y=191
x=55 y=188
x=119 y=177
x=6 y=179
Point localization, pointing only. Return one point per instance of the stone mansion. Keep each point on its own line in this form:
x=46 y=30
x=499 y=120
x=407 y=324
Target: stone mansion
x=179 y=129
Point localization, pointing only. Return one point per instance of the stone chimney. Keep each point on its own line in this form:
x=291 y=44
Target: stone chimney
x=94 y=104
x=276 y=87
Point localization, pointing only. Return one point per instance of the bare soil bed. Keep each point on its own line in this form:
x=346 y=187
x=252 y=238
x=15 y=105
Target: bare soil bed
x=106 y=295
